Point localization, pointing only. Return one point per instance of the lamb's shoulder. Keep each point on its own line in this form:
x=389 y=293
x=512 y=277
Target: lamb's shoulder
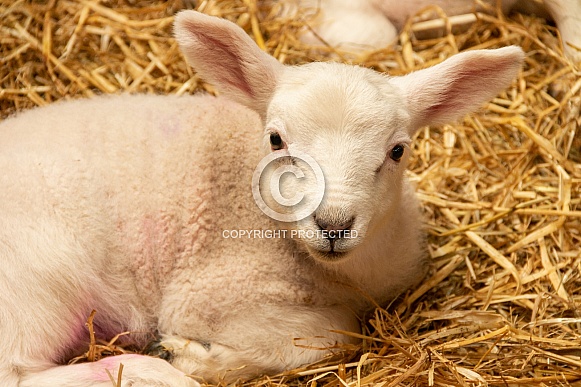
x=187 y=186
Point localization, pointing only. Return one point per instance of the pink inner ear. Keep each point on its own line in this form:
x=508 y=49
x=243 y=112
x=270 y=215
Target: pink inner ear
x=223 y=52
x=458 y=93
x=456 y=87
x=467 y=82
x=225 y=56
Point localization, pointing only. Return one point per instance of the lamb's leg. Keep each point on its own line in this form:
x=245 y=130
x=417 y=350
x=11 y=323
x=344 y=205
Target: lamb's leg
x=265 y=340
x=137 y=371
x=215 y=362
x=350 y=25
x=567 y=16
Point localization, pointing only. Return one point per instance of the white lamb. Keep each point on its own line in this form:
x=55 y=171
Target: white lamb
x=127 y=205
x=372 y=24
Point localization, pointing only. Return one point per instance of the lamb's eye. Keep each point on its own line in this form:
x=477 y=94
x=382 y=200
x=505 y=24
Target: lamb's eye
x=276 y=142
x=397 y=152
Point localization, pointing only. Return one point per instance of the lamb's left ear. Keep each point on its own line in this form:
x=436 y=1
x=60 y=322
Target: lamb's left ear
x=459 y=85
x=224 y=55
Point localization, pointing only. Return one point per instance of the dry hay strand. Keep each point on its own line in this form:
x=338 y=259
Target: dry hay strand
x=99 y=348
x=501 y=190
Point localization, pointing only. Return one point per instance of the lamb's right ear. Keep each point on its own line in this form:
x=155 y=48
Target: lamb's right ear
x=224 y=55
x=459 y=85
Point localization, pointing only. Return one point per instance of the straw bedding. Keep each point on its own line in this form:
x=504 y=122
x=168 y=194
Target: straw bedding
x=501 y=190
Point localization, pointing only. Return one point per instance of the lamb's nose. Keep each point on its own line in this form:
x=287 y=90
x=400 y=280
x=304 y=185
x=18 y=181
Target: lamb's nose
x=334 y=230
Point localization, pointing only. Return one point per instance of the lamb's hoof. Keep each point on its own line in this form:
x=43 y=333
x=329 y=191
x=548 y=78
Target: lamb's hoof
x=157 y=349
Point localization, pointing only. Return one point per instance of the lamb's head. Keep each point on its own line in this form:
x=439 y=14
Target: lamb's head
x=353 y=123
x=347 y=129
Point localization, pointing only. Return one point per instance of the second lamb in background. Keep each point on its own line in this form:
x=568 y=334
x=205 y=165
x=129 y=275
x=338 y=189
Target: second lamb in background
x=373 y=24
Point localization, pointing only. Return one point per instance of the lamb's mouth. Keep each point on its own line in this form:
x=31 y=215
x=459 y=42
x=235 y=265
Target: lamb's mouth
x=331 y=251
x=329 y=255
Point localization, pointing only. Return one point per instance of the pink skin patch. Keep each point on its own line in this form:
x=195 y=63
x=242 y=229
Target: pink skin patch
x=111 y=364
x=170 y=127
x=113 y=361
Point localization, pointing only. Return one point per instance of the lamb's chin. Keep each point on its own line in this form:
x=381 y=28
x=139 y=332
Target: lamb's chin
x=327 y=255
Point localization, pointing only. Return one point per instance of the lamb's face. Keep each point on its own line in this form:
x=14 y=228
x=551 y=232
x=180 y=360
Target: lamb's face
x=354 y=125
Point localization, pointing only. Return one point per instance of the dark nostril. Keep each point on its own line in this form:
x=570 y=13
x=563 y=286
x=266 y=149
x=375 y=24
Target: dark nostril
x=332 y=226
